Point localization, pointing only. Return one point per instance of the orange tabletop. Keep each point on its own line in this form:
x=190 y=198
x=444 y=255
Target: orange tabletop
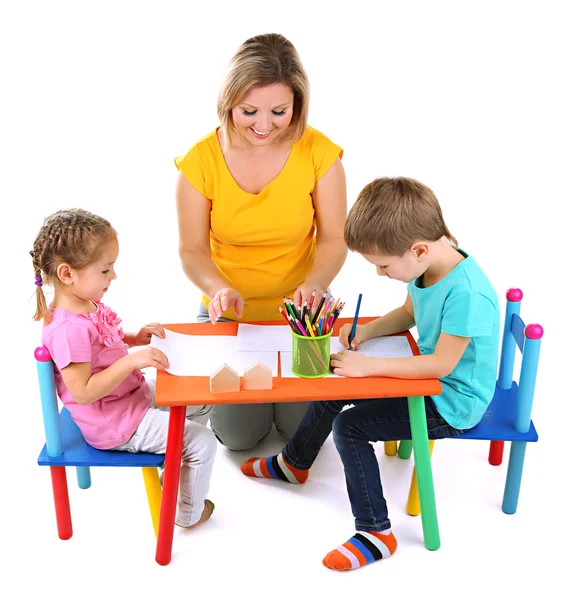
x=172 y=390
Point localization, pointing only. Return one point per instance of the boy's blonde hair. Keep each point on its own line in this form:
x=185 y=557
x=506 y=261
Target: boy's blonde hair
x=390 y=214
x=264 y=60
x=75 y=237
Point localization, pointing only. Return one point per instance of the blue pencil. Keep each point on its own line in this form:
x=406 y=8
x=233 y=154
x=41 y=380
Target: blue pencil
x=352 y=333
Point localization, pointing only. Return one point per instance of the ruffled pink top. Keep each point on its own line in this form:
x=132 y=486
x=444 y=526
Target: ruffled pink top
x=97 y=338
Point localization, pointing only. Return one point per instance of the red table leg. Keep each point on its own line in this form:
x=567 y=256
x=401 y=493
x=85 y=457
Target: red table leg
x=171 y=484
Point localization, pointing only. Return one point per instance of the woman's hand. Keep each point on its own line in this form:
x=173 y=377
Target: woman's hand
x=352 y=364
x=304 y=292
x=225 y=298
x=143 y=336
x=361 y=335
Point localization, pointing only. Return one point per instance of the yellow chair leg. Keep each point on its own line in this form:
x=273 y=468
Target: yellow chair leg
x=413 y=508
x=390 y=448
x=154 y=494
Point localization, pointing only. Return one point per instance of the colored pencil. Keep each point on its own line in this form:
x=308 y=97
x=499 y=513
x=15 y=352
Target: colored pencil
x=302 y=329
x=308 y=322
x=293 y=327
x=323 y=300
x=354 y=326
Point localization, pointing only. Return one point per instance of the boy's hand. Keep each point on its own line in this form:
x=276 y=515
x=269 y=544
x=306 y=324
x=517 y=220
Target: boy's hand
x=224 y=299
x=143 y=336
x=149 y=357
x=361 y=335
x=351 y=364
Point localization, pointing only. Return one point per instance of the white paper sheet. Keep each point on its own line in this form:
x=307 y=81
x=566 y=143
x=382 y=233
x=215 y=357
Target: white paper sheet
x=395 y=346
x=381 y=347
x=264 y=338
x=201 y=355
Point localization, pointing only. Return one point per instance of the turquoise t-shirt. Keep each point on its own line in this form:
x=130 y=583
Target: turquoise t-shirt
x=464 y=304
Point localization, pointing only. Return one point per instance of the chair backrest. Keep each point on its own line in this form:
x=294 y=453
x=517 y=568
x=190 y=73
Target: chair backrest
x=45 y=369
x=528 y=339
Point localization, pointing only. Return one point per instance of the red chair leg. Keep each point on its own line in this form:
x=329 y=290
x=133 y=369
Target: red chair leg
x=61 y=502
x=496 y=452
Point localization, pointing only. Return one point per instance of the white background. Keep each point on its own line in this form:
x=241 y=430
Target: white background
x=476 y=99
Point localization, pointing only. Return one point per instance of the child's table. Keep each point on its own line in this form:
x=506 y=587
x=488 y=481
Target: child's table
x=180 y=392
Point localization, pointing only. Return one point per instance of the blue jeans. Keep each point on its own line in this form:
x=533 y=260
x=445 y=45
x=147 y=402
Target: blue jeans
x=382 y=419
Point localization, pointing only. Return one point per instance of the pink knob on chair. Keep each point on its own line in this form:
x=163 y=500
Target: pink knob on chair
x=41 y=354
x=514 y=295
x=534 y=331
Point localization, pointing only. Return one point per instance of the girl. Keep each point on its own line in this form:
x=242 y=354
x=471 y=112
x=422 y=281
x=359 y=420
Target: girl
x=98 y=381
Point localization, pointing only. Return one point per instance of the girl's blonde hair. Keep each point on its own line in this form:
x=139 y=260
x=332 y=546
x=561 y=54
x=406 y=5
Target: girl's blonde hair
x=75 y=237
x=390 y=214
x=265 y=60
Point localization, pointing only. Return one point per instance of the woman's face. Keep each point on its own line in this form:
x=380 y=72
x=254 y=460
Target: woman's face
x=264 y=113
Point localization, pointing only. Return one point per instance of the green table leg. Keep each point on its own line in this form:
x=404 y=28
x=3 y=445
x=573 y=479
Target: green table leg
x=429 y=519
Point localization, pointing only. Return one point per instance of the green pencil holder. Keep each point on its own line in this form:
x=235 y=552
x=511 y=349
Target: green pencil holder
x=310 y=356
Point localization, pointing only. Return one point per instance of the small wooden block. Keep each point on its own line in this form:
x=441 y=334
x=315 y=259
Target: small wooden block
x=225 y=379
x=258 y=377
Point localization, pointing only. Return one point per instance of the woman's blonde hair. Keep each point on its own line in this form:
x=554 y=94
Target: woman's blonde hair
x=390 y=214
x=75 y=237
x=264 y=60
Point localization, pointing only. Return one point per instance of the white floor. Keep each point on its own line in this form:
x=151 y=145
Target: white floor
x=267 y=538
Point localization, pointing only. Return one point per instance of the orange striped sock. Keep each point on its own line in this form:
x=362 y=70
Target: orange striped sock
x=363 y=548
x=274 y=467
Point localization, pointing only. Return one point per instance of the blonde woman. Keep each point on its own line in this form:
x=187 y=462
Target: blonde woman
x=261 y=206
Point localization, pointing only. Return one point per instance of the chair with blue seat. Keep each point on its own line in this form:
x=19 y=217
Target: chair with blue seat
x=66 y=447
x=508 y=417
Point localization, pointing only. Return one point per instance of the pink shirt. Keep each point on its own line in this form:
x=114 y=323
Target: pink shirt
x=95 y=338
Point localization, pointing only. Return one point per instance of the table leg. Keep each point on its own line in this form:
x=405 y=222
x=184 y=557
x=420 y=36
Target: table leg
x=172 y=475
x=423 y=470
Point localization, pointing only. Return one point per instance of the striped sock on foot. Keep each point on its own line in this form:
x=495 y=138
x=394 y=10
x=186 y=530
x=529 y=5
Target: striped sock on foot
x=363 y=548
x=274 y=467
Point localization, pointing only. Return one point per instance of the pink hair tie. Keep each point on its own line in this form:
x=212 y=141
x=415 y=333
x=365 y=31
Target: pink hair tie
x=38 y=280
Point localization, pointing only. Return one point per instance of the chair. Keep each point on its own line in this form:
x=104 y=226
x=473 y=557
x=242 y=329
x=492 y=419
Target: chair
x=65 y=447
x=508 y=417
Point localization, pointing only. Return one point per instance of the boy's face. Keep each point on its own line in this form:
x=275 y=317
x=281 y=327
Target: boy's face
x=404 y=268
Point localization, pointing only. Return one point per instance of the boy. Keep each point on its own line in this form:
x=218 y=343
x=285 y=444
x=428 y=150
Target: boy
x=398 y=226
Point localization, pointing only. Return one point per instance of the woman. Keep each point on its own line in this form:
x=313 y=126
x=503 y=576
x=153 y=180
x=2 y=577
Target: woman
x=261 y=207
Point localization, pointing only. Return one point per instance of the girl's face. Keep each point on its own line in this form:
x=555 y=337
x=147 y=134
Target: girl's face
x=263 y=114
x=92 y=282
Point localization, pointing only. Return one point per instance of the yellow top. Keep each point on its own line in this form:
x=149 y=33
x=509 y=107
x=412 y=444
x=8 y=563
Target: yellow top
x=262 y=244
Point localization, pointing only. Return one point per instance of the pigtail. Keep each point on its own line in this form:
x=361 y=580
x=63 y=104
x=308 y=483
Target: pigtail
x=42 y=311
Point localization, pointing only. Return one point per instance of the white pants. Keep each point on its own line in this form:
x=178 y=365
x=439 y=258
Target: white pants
x=199 y=449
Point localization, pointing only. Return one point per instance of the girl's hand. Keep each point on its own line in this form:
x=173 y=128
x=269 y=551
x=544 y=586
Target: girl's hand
x=304 y=292
x=225 y=298
x=350 y=364
x=149 y=357
x=361 y=335
x=143 y=336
